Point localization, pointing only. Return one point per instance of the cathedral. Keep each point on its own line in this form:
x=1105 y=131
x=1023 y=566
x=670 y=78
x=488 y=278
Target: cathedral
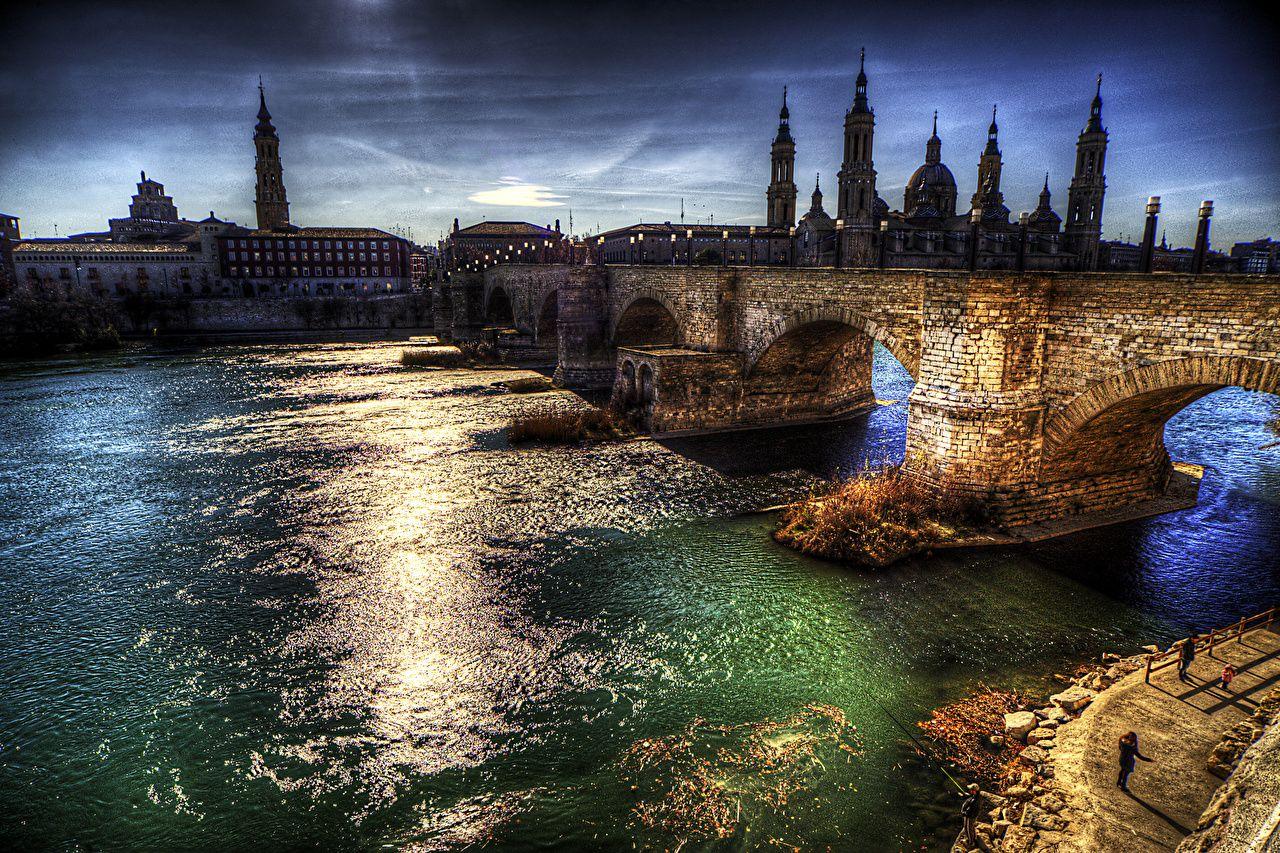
x=928 y=232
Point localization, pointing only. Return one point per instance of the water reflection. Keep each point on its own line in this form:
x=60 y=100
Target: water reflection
x=291 y=596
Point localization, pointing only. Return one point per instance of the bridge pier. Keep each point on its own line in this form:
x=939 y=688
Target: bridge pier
x=586 y=360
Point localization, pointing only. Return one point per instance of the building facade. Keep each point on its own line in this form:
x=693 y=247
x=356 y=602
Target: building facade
x=315 y=262
x=491 y=242
x=665 y=243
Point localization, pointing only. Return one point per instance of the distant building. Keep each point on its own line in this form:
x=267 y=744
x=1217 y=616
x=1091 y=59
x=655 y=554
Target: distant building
x=490 y=242
x=1258 y=256
x=108 y=269
x=10 y=233
x=422 y=266
x=665 y=243
x=315 y=262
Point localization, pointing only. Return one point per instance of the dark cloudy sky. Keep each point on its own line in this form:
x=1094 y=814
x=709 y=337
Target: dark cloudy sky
x=413 y=113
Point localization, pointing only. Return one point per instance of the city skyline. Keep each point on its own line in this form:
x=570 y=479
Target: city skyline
x=428 y=131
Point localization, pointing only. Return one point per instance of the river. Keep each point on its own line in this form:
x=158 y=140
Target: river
x=269 y=597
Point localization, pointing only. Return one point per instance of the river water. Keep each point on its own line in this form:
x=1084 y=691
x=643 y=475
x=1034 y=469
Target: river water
x=298 y=596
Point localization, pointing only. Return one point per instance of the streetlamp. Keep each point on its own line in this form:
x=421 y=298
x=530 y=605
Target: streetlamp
x=688 y=247
x=673 y=248
x=1202 y=238
x=640 y=243
x=631 y=252
x=791 y=245
x=1024 y=220
x=975 y=219
x=724 y=248
x=839 y=241
x=884 y=242
x=1149 y=234
x=751 y=246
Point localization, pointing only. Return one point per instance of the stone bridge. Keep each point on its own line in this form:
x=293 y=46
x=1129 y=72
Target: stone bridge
x=1040 y=394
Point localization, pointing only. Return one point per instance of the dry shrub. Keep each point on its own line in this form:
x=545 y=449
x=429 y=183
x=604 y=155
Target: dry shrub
x=960 y=733
x=435 y=356
x=567 y=428
x=529 y=385
x=873 y=519
x=479 y=352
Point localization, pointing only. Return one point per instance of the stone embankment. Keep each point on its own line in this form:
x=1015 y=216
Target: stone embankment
x=1060 y=792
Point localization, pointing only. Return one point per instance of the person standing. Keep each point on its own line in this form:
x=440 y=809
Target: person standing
x=1228 y=675
x=1186 y=655
x=1129 y=753
x=970 y=809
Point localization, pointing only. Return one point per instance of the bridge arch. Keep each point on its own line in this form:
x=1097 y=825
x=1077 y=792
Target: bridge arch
x=647 y=318
x=1118 y=423
x=498 y=308
x=547 y=324
x=832 y=315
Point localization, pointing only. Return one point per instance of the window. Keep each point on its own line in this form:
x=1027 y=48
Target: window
x=386 y=256
x=364 y=271
x=255 y=244
x=257 y=270
x=306 y=272
x=328 y=271
x=271 y=270
x=384 y=244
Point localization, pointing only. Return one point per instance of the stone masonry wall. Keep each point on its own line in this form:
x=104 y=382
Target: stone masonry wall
x=247 y=315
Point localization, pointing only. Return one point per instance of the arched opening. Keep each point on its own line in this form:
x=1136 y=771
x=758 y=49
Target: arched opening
x=498 y=311
x=549 y=320
x=628 y=391
x=644 y=382
x=818 y=368
x=646 y=322
x=1118 y=424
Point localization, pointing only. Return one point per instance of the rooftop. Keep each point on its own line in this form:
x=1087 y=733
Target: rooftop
x=73 y=247
x=505 y=229
x=325 y=232
x=698 y=230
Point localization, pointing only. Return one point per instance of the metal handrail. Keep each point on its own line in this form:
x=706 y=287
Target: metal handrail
x=1160 y=660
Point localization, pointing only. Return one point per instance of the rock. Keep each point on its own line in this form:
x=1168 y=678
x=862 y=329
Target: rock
x=996 y=740
x=1017 y=724
x=999 y=828
x=1019 y=839
x=1151 y=649
x=1051 y=803
x=1017 y=792
x=1073 y=699
x=1040 y=819
x=1110 y=657
x=1040 y=734
x=1034 y=755
x=1049 y=723
x=1050 y=743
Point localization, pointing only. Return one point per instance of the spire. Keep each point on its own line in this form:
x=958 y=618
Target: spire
x=264 y=126
x=993 y=132
x=817 y=194
x=1044 y=193
x=784 y=121
x=933 y=148
x=1095 y=110
x=860 y=90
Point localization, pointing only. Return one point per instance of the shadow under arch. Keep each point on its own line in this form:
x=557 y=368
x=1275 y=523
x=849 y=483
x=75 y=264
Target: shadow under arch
x=1118 y=423
x=648 y=319
x=497 y=309
x=547 y=329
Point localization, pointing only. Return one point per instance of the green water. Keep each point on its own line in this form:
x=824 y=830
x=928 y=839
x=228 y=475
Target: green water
x=299 y=597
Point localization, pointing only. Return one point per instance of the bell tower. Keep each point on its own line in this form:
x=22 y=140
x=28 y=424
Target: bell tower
x=782 y=187
x=1083 y=228
x=988 y=197
x=271 y=202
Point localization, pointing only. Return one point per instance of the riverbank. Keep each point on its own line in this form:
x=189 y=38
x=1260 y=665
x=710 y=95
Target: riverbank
x=1059 y=793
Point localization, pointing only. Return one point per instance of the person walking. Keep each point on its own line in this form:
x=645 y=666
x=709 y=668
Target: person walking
x=1129 y=753
x=1228 y=675
x=970 y=810
x=1186 y=655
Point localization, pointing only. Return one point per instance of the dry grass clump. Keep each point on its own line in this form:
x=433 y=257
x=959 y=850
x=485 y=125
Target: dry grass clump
x=567 y=427
x=702 y=783
x=873 y=519
x=960 y=733
x=529 y=385
x=433 y=356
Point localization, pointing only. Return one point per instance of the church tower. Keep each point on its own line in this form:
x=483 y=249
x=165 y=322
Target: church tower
x=273 y=207
x=782 y=188
x=857 y=178
x=1083 y=227
x=988 y=197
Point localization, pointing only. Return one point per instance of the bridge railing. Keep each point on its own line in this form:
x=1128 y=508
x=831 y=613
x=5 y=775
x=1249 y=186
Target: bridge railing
x=1236 y=631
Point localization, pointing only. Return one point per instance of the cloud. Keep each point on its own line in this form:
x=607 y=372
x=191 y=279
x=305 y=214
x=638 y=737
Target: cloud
x=514 y=193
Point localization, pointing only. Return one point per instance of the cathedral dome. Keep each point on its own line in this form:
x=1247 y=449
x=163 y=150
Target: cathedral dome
x=932 y=175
